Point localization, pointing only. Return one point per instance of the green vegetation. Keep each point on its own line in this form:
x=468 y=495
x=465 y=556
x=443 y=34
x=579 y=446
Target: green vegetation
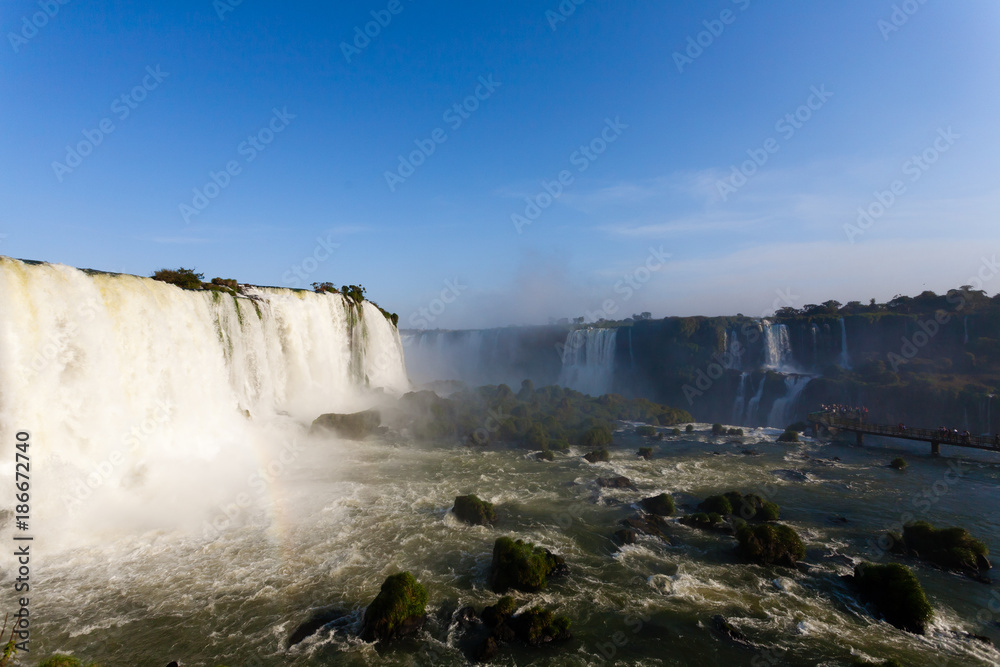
x=474 y=511
x=899 y=463
x=645 y=453
x=645 y=431
x=323 y=288
x=598 y=436
x=750 y=507
x=536 y=626
x=546 y=455
x=354 y=292
x=895 y=593
x=538 y=419
x=770 y=544
x=522 y=566
x=397 y=610
x=718 y=429
x=183 y=278
x=788 y=436
x=62 y=660
x=598 y=455
x=702 y=520
x=676 y=431
x=500 y=612
x=689 y=428
x=662 y=505
x=949 y=548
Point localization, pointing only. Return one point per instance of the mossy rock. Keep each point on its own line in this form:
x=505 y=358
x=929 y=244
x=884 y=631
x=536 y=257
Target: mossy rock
x=770 y=544
x=474 y=511
x=788 y=436
x=522 y=566
x=899 y=463
x=648 y=524
x=702 y=520
x=536 y=626
x=676 y=431
x=896 y=594
x=500 y=612
x=598 y=436
x=718 y=429
x=952 y=549
x=662 y=505
x=645 y=431
x=716 y=505
x=397 y=611
x=546 y=455
x=645 y=453
x=689 y=428
x=355 y=426
x=618 y=482
x=597 y=456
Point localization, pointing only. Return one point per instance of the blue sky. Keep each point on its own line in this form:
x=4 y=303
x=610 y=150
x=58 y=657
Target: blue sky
x=204 y=81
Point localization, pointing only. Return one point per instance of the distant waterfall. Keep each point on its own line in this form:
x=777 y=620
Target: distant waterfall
x=845 y=358
x=777 y=346
x=733 y=350
x=754 y=404
x=741 y=396
x=784 y=407
x=588 y=361
x=814 y=330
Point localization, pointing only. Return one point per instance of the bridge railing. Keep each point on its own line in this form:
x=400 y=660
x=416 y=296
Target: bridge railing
x=932 y=435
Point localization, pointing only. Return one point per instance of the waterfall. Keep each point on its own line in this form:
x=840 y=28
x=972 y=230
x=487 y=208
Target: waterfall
x=631 y=355
x=777 y=346
x=588 y=361
x=754 y=404
x=784 y=407
x=733 y=356
x=845 y=359
x=739 y=403
x=815 y=342
x=142 y=388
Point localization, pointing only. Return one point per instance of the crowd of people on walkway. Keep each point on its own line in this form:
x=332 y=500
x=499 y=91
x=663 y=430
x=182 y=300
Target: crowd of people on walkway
x=847 y=411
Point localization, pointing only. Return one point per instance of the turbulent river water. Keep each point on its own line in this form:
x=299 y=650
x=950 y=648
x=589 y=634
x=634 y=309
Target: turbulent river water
x=340 y=517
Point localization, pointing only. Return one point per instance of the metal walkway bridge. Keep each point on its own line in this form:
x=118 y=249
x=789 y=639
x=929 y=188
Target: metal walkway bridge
x=936 y=437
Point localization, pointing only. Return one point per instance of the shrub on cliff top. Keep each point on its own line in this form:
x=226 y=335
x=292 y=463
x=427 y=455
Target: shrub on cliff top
x=183 y=278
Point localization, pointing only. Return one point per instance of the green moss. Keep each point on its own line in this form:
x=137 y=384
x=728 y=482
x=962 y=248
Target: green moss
x=535 y=626
x=401 y=599
x=716 y=505
x=500 y=612
x=949 y=548
x=662 y=505
x=521 y=566
x=896 y=594
x=770 y=544
x=472 y=510
x=702 y=520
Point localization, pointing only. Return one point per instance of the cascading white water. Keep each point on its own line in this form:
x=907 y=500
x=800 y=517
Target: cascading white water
x=845 y=357
x=740 y=402
x=777 y=346
x=733 y=357
x=145 y=399
x=588 y=361
x=783 y=408
x=753 y=405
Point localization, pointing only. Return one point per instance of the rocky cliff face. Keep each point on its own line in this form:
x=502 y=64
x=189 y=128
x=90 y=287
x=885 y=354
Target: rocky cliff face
x=929 y=362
